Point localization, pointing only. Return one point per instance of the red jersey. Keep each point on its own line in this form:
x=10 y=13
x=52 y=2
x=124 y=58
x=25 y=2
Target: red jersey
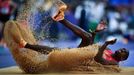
x=107 y=55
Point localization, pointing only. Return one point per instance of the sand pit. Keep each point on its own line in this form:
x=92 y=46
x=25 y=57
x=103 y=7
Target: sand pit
x=15 y=70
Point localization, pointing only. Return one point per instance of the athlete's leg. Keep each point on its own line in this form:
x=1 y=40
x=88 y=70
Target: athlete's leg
x=40 y=48
x=15 y=33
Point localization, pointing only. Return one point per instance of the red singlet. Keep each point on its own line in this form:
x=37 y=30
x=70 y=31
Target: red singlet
x=107 y=55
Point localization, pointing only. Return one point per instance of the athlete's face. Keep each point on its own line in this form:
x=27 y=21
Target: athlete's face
x=121 y=54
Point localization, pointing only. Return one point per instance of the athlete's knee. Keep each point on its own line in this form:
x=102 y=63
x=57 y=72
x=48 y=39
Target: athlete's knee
x=9 y=25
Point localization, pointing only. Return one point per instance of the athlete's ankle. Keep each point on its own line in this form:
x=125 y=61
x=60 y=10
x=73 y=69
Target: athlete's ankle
x=22 y=43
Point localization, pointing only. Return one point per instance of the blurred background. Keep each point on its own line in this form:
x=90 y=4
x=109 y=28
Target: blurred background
x=119 y=15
